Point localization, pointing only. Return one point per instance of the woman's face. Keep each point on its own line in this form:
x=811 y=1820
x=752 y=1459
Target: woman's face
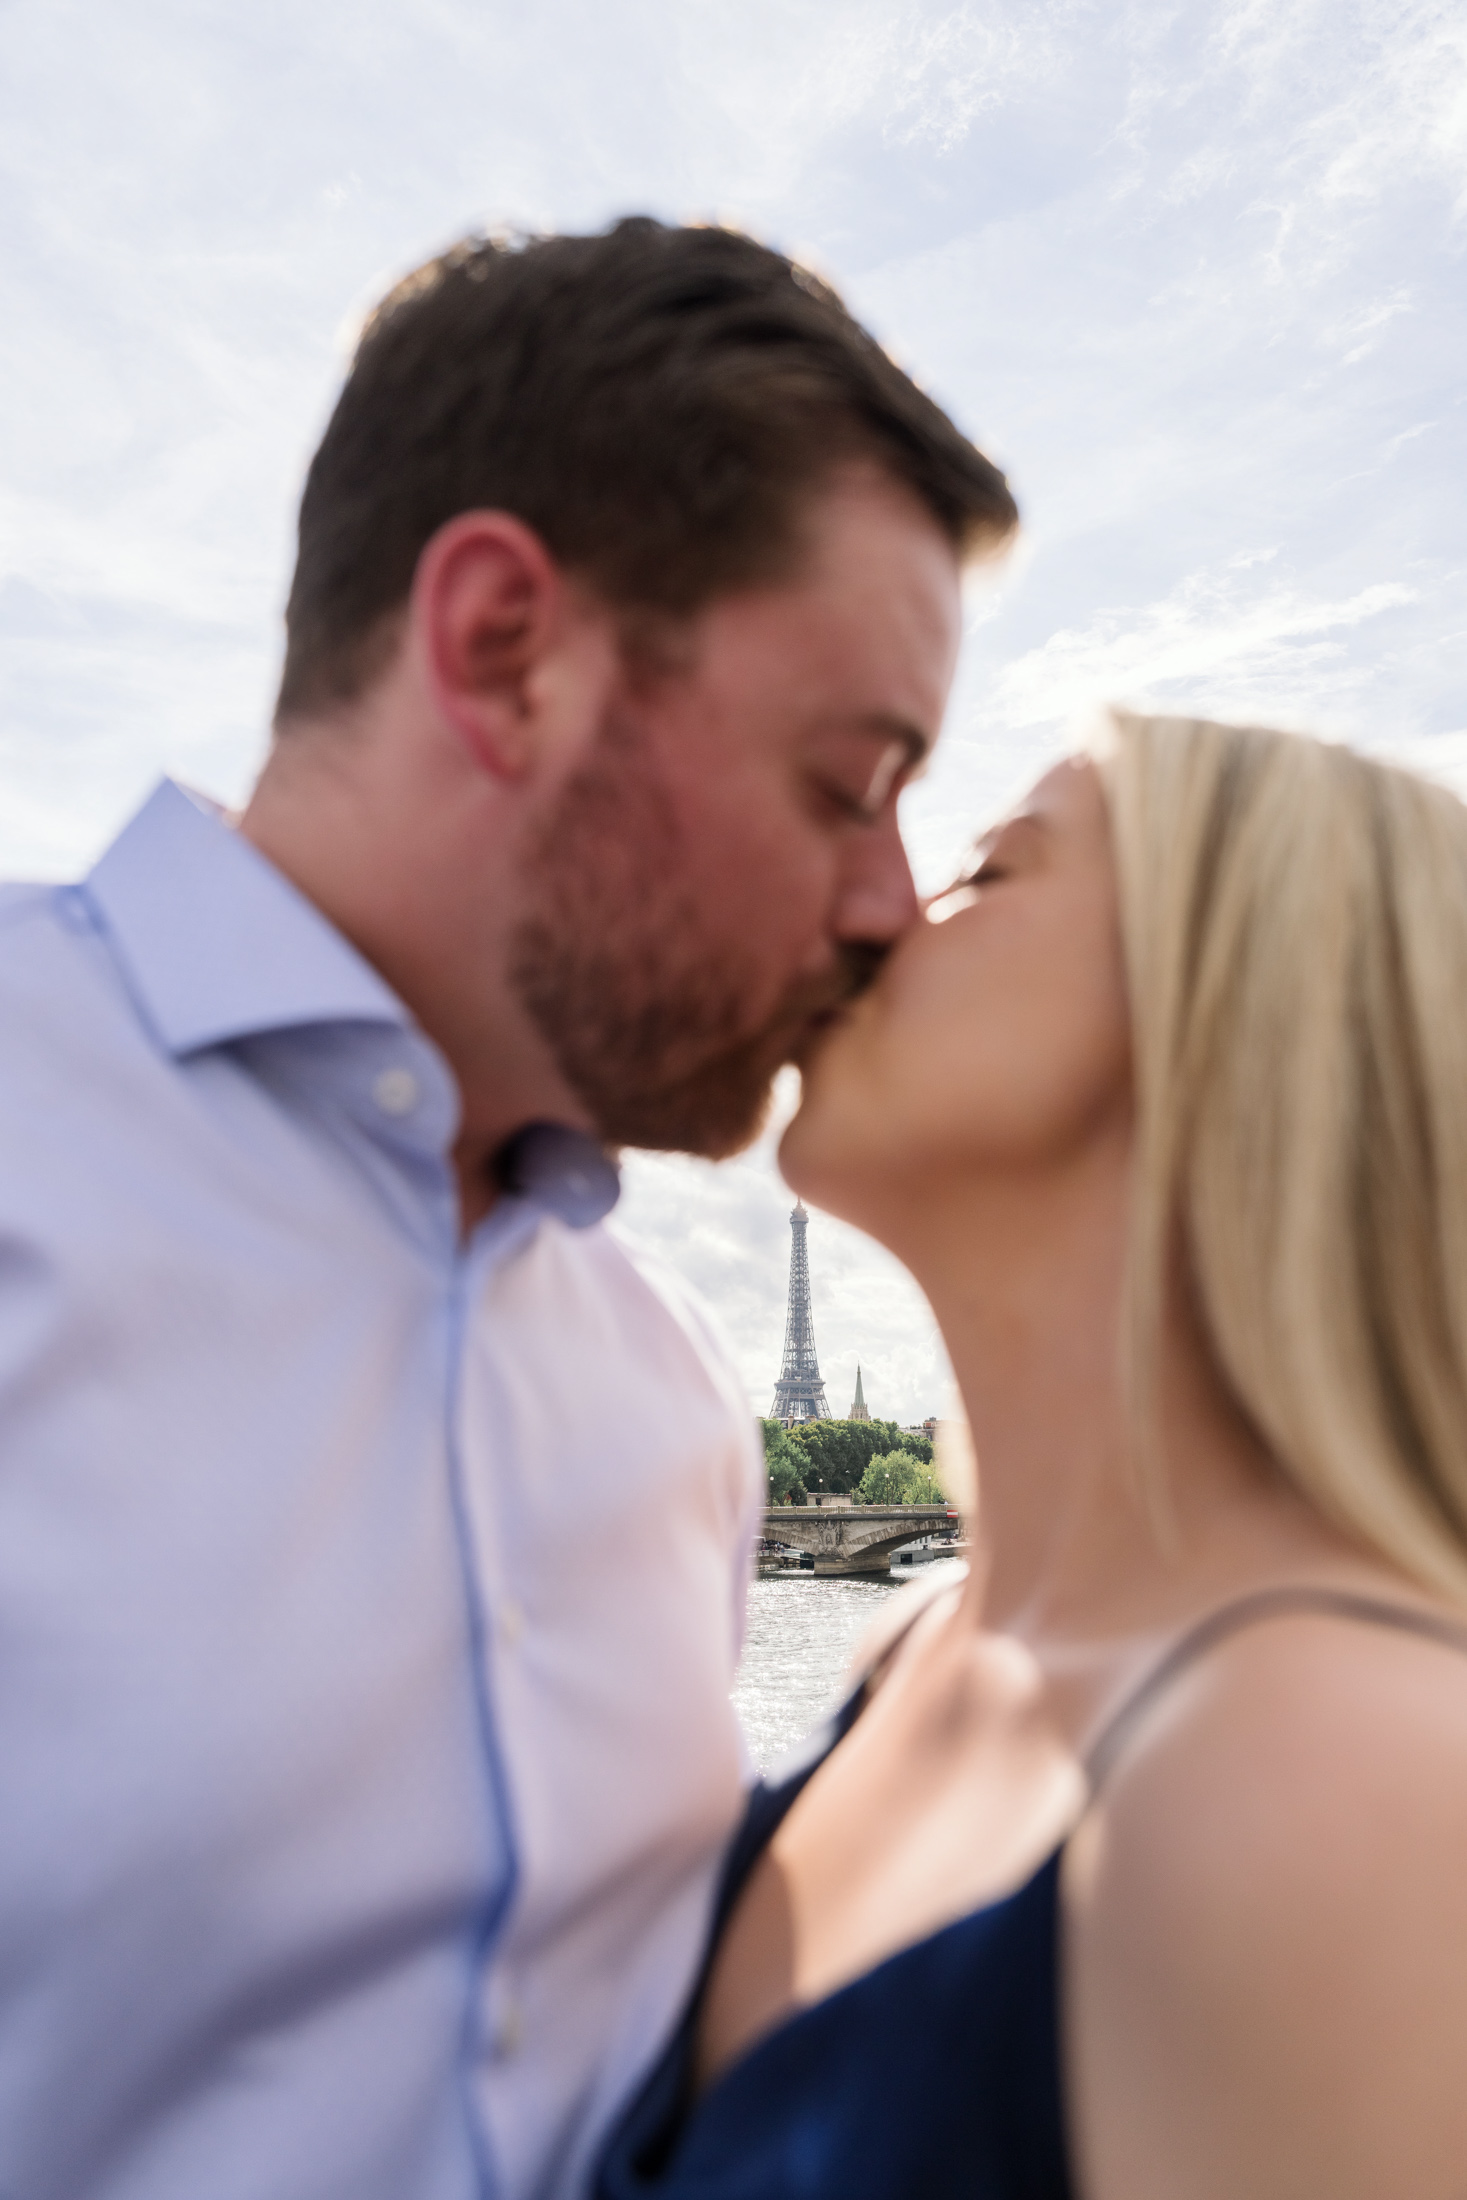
x=996 y=1037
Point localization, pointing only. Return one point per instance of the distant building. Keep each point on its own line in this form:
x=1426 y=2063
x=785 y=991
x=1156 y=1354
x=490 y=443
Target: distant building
x=799 y=1395
x=927 y=1428
x=858 y=1403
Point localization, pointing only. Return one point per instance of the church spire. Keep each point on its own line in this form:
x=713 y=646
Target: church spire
x=858 y=1404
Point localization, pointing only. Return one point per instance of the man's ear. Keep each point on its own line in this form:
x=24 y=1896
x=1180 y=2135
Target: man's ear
x=486 y=602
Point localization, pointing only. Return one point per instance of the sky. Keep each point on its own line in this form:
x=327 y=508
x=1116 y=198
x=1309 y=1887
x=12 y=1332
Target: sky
x=1195 y=275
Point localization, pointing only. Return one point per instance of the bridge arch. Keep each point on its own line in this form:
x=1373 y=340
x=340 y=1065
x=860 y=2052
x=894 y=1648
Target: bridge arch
x=856 y=1539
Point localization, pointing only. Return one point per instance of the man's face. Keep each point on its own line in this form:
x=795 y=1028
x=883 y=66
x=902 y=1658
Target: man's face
x=724 y=867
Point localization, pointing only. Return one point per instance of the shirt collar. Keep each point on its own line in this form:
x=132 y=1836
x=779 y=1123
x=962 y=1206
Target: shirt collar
x=217 y=945
x=215 y=942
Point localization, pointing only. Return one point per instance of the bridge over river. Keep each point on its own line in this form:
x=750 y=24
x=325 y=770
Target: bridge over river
x=854 y=1539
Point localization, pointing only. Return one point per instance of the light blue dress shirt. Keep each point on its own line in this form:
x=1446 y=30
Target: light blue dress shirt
x=368 y=1600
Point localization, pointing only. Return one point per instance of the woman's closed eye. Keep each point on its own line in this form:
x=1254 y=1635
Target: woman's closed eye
x=961 y=895
x=999 y=856
x=986 y=872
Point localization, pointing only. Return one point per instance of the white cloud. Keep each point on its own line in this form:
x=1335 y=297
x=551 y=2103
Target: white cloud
x=1275 y=651
x=1194 y=271
x=727 y=1228
x=791 y=74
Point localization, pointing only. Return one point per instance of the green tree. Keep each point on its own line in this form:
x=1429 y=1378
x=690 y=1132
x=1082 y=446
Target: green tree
x=897 y=1478
x=837 y=1452
x=785 y=1484
x=830 y=1464
x=886 y=1436
x=785 y=1464
x=919 y=1446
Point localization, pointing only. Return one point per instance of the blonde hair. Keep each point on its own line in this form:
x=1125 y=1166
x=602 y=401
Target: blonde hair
x=1294 y=919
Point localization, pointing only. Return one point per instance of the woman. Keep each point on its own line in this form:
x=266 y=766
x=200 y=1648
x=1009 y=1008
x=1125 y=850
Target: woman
x=1137 y=1869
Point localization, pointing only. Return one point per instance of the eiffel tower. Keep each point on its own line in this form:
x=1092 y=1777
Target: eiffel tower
x=799 y=1395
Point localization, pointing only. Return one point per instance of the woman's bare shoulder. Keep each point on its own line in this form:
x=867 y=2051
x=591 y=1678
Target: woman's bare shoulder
x=1265 y=1915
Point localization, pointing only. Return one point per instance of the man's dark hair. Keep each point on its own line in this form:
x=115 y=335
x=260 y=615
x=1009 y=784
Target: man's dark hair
x=657 y=403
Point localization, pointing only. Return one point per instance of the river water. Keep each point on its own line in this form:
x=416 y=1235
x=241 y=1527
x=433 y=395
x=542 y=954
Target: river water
x=801 y=1633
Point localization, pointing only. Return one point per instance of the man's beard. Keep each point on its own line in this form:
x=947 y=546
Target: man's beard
x=619 y=963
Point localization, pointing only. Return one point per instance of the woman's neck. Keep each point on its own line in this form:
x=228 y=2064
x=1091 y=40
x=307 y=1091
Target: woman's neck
x=1026 y=1279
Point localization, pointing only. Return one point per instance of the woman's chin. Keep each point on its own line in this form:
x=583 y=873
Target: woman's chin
x=792 y=1152
x=833 y=1145
x=815 y=1161
x=800 y=1155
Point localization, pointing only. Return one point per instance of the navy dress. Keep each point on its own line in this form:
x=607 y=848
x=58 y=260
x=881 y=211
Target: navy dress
x=933 y=2076
x=937 y=2076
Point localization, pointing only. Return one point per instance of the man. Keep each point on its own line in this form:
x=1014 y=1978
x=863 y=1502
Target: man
x=373 y=1527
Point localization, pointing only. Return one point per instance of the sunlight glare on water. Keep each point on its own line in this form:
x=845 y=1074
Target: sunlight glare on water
x=801 y=1633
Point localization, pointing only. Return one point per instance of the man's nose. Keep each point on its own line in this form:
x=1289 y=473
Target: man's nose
x=877 y=896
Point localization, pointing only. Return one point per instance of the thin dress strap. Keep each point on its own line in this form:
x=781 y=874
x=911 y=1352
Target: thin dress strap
x=924 y=1598
x=1231 y=1619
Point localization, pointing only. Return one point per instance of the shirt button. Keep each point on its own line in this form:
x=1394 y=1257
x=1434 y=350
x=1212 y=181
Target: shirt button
x=395 y=1091
x=508 y=2033
x=511 y=1623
